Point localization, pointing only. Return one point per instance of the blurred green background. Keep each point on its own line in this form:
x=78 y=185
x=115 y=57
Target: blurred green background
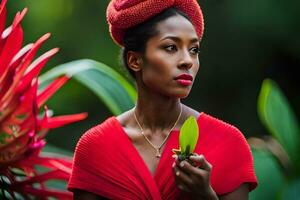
x=244 y=42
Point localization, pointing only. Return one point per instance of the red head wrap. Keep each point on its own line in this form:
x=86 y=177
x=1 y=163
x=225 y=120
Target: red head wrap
x=124 y=14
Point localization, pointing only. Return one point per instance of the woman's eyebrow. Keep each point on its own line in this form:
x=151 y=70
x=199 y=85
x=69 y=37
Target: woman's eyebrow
x=177 y=39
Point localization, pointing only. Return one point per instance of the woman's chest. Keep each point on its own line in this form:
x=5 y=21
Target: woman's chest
x=147 y=148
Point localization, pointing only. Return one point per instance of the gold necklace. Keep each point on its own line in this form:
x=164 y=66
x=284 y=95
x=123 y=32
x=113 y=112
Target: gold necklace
x=157 y=148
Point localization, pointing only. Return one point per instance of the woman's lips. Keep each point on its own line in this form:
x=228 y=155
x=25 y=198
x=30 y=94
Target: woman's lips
x=184 y=82
x=184 y=79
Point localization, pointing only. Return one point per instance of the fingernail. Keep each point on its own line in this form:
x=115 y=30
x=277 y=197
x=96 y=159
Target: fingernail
x=180 y=187
x=182 y=164
x=177 y=173
x=174 y=156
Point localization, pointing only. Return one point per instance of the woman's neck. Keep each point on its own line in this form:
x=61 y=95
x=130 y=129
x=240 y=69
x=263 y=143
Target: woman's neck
x=157 y=112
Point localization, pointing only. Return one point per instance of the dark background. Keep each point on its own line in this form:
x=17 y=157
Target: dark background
x=244 y=43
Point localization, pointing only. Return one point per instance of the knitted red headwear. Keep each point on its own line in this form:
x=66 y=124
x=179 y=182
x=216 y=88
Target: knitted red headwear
x=124 y=14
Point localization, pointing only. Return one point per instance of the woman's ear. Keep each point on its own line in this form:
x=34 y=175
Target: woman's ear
x=134 y=61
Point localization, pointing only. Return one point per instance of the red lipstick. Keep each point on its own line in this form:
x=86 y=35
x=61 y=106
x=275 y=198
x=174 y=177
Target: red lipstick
x=184 y=79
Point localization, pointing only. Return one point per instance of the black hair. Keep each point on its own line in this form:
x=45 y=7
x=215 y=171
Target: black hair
x=136 y=38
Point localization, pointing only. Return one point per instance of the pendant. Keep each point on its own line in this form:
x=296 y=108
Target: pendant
x=157 y=155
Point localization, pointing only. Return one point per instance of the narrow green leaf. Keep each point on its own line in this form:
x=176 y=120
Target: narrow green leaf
x=278 y=117
x=188 y=136
x=111 y=88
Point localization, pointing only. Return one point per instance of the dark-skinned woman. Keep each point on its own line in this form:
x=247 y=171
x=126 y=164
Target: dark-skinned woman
x=130 y=156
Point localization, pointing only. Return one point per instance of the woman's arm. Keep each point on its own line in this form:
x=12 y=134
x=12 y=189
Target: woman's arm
x=84 y=195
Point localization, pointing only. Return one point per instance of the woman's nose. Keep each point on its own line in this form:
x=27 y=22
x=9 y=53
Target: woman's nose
x=185 y=60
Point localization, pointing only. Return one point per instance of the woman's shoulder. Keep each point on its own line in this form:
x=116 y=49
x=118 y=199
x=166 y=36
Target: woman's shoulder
x=102 y=135
x=124 y=118
x=188 y=111
x=100 y=130
x=215 y=126
x=227 y=150
x=210 y=121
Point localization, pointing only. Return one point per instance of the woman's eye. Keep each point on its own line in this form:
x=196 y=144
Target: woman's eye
x=170 y=48
x=195 y=50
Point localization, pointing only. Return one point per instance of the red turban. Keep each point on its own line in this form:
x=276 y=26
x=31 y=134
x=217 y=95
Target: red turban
x=124 y=14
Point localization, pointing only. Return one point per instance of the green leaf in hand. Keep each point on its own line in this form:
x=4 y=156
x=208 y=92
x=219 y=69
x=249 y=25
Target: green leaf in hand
x=188 y=138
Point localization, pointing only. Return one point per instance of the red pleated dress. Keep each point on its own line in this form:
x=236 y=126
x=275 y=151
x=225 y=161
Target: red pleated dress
x=107 y=163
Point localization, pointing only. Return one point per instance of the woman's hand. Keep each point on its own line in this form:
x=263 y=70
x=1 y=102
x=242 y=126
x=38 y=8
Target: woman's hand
x=195 y=180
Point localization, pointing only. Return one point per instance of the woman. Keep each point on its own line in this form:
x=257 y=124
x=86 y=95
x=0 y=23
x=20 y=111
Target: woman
x=129 y=156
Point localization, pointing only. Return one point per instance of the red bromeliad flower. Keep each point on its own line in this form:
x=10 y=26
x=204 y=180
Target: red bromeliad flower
x=22 y=131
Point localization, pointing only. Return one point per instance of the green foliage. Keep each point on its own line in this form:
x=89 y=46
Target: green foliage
x=111 y=88
x=278 y=117
x=188 y=136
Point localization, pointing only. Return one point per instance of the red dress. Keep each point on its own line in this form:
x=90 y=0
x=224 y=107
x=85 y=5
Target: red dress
x=107 y=163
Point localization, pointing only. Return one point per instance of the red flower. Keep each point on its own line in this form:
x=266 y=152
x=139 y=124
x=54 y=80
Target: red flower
x=22 y=131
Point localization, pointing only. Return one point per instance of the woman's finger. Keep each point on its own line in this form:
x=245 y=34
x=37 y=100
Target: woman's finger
x=183 y=187
x=181 y=177
x=198 y=176
x=187 y=167
x=202 y=162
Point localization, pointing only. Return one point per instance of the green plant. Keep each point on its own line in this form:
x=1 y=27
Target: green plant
x=188 y=137
x=276 y=157
x=24 y=171
x=111 y=88
x=27 y=169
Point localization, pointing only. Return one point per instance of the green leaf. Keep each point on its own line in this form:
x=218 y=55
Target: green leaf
x=56 y=150
x=269 y=175
x=111 y=88
x=278 y=117
x=188 y=136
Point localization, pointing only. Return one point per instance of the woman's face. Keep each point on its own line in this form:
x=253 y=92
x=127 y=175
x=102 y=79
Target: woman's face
x=171 y=61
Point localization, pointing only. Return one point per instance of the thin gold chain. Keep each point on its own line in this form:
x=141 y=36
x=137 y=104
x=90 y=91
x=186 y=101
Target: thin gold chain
x=157 y=148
